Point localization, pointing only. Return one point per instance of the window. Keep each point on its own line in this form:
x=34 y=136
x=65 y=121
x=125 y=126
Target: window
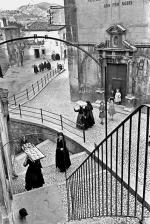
x=43 y=51
x=115 y=41
x=56 y=43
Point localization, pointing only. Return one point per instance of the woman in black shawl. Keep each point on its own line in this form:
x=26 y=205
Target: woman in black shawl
x=81 y=122
x=34 y=177
x=89 y=114
x=62 y=154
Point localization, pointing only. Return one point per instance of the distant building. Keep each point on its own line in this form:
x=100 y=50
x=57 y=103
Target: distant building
x=12 y=32
x=39 y=48
x=117 y=33
x=4 y=57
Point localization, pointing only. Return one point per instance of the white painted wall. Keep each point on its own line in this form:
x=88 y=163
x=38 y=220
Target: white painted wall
x=50 y=46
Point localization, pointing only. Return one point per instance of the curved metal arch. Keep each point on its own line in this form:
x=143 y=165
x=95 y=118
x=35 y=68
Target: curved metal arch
x=53 y=38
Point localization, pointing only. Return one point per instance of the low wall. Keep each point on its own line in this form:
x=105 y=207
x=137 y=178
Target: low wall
x=37 y=133
x=44 y=206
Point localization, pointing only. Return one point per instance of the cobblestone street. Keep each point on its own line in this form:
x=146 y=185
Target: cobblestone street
x=19 y=78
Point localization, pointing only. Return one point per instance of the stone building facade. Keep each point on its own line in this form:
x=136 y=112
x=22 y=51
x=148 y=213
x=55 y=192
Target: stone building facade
x=41 y=48
x=117 y=34
x=12 y=32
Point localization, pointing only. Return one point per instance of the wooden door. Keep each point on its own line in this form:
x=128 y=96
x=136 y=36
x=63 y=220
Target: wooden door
x=116 y=78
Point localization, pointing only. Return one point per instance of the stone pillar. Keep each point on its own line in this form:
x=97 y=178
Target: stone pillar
x=130 y=98
x=130 y=69
x=5 y=157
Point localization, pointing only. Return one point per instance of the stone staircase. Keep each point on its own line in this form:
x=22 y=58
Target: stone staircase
x=40 y=202
x=50 y=173
x=54 y=187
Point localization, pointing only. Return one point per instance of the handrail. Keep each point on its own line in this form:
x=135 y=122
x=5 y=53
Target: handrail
x=33 y=89
x=47 y=117
x=115 y=167
x=109 y=135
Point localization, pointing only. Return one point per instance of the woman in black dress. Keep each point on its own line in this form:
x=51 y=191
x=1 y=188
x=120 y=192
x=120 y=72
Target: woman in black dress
x=89 y=114
x=62 y=154
x=81 y=122
x=34 y=177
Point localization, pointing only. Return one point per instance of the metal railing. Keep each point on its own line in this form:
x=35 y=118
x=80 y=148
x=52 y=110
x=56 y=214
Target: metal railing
x=47 y=117
x=114 y=179
x=30 y=92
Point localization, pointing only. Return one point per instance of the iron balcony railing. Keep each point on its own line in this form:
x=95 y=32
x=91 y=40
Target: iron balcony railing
x=46 y=117
x=114 y=179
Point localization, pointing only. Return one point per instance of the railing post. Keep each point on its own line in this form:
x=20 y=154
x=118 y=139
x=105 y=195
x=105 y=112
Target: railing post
x=83 y=134
x=15 y=100
x=38 y=86
x=20 y=110
x=42 y=82
x=50 y=74
x=41 y=115
x=33 y=89
x=27 y=94
x=61 y=121
x=45 y=79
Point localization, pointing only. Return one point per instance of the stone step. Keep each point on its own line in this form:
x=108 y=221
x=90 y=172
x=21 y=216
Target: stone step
x=50 y=173
x=105 y=220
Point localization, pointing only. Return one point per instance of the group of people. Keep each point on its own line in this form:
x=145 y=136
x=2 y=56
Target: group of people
x=111 y=110
x=34 y=177
x=115 y=97
x=46 y=65
x=85 y=118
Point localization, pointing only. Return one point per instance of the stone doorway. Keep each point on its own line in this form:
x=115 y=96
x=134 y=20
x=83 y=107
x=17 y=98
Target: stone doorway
x=36 y=53
x=117 y=78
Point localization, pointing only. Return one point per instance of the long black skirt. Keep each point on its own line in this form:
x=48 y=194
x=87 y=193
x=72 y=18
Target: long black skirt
x=34 y=178
x=62 y=159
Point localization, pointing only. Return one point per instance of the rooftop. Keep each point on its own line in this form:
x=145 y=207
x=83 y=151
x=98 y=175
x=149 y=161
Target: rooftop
x=43 y=26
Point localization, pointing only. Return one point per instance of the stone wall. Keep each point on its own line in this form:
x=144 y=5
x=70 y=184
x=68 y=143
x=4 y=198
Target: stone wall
x=11 y=33
x=37 y=133
x=72 y=36
x=141 y=75
x=95 y=17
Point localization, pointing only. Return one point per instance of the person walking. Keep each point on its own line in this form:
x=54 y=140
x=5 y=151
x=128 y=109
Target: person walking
x=101 y=112
x=45 y=65
x=81 y=122
x=111 y=109
x=89 y=114
x=35 y=69
x=34 y=177
x=62 y=154
x=48 y=65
